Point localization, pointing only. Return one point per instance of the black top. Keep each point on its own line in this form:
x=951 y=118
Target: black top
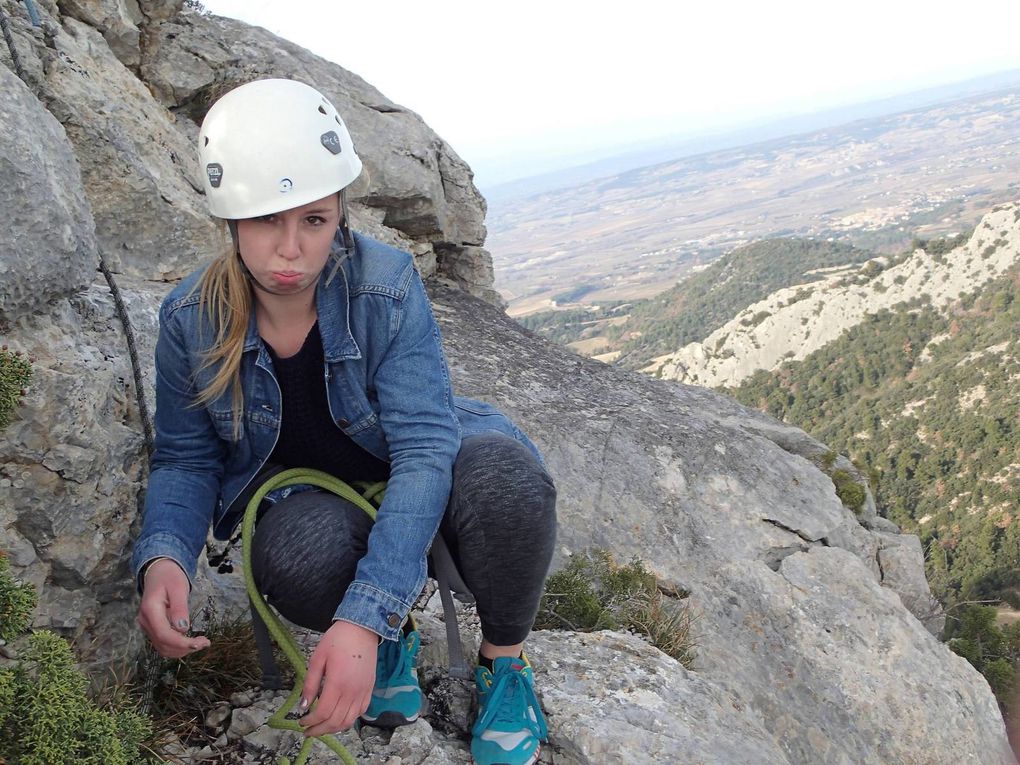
x=308 y=436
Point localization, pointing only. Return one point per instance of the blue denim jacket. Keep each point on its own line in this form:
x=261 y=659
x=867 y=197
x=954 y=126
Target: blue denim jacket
x=388 y=388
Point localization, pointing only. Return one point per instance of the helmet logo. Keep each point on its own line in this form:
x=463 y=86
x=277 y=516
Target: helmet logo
x=215 y=172
x=331 y=141
x=286 y=184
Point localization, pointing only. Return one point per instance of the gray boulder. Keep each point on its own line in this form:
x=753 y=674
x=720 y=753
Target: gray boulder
x=47 y=241
x=815 y=640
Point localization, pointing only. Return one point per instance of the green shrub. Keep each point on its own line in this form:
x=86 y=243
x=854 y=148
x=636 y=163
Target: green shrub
x=754 y=321
x=990 y=649
x=46 y=714
x=594 y=592
x=48 y=718
x=17 y=602
x=15 y=372
x=827 y=460
x=850 y=493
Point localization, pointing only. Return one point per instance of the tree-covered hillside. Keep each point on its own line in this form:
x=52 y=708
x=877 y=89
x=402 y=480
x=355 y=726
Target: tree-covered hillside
x=700 y=304
x=928 y=404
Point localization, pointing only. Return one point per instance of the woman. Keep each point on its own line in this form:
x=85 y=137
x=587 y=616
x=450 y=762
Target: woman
x=306 y=345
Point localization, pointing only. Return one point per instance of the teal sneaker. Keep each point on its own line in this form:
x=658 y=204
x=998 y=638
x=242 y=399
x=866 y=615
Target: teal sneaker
x=510 y=725
x=397 y=698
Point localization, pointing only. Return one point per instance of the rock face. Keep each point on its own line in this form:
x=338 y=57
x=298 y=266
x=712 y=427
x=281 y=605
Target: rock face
x=799 y=625
x=47 y=241
x=793 y=322
x=811 y=641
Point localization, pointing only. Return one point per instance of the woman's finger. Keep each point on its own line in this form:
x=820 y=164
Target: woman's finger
x=329 y=697
x=343 y=717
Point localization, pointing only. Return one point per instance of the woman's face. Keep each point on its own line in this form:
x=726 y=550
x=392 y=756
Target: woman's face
x=286 y=251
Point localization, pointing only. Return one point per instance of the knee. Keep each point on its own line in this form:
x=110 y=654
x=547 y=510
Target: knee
x=495 y=471
x=308 y=531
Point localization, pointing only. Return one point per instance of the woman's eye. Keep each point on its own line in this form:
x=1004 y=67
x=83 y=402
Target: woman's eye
x=316 y=220
x=266 y=218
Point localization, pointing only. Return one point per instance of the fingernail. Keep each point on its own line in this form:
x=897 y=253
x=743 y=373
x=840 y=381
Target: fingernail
x=182 y=624
x=304 y=704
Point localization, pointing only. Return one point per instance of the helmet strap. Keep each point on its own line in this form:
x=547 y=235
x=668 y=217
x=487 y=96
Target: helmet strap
x=344 y=230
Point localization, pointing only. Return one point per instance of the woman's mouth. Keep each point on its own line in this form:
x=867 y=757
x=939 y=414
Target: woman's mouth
x=287 y=277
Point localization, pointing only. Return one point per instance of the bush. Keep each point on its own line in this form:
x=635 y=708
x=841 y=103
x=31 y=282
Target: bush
x=15 y=372
x=46 y=714
x=17 y=602
x=990 y=649
x=850 y=493
x=594 y=592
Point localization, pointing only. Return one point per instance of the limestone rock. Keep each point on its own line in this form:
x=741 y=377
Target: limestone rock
x=805 y=635
x=795 y=326
x=73 y=480
x=116 y=20
x=160 y=10
x=613 y=698
x=47 y=242
x=902 y=568
x=135 y=156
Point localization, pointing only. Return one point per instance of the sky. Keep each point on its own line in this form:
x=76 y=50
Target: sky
x=518 y=88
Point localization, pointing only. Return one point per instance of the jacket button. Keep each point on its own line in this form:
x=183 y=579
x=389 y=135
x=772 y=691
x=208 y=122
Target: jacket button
x=393 y=620
x=343 y=423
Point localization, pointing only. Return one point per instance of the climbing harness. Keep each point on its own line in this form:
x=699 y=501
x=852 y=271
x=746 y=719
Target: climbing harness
x=267 y=623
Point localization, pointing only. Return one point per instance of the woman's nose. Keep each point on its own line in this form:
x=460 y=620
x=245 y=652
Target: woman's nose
x=288 y=245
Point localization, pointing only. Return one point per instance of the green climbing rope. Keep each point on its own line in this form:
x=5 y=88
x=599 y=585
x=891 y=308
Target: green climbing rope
x=370 y=493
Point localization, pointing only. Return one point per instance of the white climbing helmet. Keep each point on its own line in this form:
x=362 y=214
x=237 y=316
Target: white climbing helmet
x=271 y=145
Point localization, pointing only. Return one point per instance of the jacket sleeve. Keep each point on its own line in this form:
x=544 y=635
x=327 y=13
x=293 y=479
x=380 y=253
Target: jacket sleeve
x=187 y=462
x=416 y=413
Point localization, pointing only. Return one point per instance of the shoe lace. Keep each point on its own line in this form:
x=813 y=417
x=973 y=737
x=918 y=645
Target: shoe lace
x=508 y=702
x=395 y=661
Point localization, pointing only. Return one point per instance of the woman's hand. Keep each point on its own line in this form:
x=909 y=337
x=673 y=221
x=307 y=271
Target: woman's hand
x=341 y=673
x=163 y=614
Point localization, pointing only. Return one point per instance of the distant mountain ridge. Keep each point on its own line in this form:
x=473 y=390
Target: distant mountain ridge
x=798 y=320
x=874 y=183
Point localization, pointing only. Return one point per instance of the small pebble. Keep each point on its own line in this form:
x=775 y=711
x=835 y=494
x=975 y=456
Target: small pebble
x=218 y=716
x=241 y=699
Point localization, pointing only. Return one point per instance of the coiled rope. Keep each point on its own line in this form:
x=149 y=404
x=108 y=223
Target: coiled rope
x=283 y=718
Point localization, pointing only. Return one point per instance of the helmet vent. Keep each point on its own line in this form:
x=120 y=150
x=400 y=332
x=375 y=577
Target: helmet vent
x=321 y=110
x=338 y=120
x=207 y=140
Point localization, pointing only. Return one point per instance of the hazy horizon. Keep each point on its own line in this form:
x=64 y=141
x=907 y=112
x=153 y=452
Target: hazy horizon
x=612 y=159
x=524 y=89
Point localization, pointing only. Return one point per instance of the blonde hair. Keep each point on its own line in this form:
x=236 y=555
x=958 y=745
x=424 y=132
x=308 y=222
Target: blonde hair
x=226 y=303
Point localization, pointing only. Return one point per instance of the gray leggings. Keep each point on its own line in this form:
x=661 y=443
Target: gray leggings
x=500 y=526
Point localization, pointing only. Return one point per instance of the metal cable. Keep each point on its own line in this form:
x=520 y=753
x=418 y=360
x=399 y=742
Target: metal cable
x=151 y=662
x=136 y=367
x=18 y=69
